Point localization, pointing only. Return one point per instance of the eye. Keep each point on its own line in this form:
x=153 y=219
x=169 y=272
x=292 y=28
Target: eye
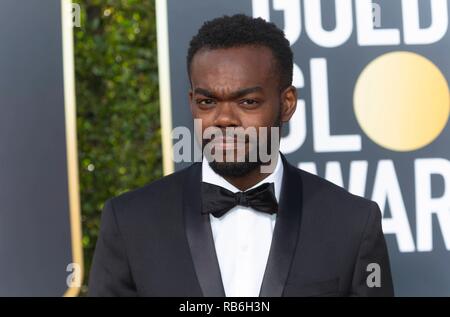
x=248 y=102
x=205 y=101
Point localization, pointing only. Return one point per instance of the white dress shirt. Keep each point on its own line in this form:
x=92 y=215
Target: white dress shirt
x=242 y=237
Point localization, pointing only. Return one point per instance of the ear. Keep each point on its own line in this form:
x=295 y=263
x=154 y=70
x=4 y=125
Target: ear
x=288 y=103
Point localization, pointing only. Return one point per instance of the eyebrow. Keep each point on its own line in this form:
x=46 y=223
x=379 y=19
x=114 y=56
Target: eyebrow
x=235 y=94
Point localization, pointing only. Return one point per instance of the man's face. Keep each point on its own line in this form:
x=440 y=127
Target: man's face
x=238 y=88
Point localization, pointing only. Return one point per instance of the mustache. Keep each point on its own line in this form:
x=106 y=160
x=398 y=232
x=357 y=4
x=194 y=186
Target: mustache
x=228 y=134
x=255 y=137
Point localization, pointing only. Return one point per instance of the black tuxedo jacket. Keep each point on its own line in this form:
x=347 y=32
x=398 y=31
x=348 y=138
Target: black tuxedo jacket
x=154 y=241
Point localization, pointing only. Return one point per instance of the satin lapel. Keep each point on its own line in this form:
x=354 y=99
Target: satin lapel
x=199 y=235
x=285 y=235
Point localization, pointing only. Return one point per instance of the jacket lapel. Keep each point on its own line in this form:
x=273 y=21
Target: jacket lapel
x=199 y=235
x=286 y=232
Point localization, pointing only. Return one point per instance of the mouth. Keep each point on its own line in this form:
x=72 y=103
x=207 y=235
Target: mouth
x=227 y=143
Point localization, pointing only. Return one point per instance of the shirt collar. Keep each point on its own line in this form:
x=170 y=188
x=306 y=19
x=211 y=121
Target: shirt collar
x=209 y=176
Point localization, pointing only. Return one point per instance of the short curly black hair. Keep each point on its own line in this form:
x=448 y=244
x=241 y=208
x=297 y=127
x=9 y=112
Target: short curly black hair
x=239 y=30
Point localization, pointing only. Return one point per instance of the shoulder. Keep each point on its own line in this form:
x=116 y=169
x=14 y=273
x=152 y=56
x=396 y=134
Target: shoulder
x=316 y=186
x=326 y=199
x=335 y=216
x=161 y=192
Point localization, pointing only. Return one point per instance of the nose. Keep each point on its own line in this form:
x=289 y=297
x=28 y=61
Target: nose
x=226 y=116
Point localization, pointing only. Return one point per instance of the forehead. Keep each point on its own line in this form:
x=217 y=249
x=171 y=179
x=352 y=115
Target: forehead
x=234 y=68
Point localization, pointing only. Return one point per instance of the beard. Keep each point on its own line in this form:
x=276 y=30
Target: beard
x=234 y=169
x=240 y=169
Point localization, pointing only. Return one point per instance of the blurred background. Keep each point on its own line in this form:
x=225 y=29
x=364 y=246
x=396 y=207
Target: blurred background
x=118 y=119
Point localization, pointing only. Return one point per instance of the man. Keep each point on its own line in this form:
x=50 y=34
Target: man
x=225 y=227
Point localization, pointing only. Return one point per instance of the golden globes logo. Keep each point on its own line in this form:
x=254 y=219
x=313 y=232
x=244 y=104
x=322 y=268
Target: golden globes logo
x=400 y=101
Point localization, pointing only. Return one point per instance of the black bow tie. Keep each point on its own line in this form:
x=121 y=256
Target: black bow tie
x=218 y=200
